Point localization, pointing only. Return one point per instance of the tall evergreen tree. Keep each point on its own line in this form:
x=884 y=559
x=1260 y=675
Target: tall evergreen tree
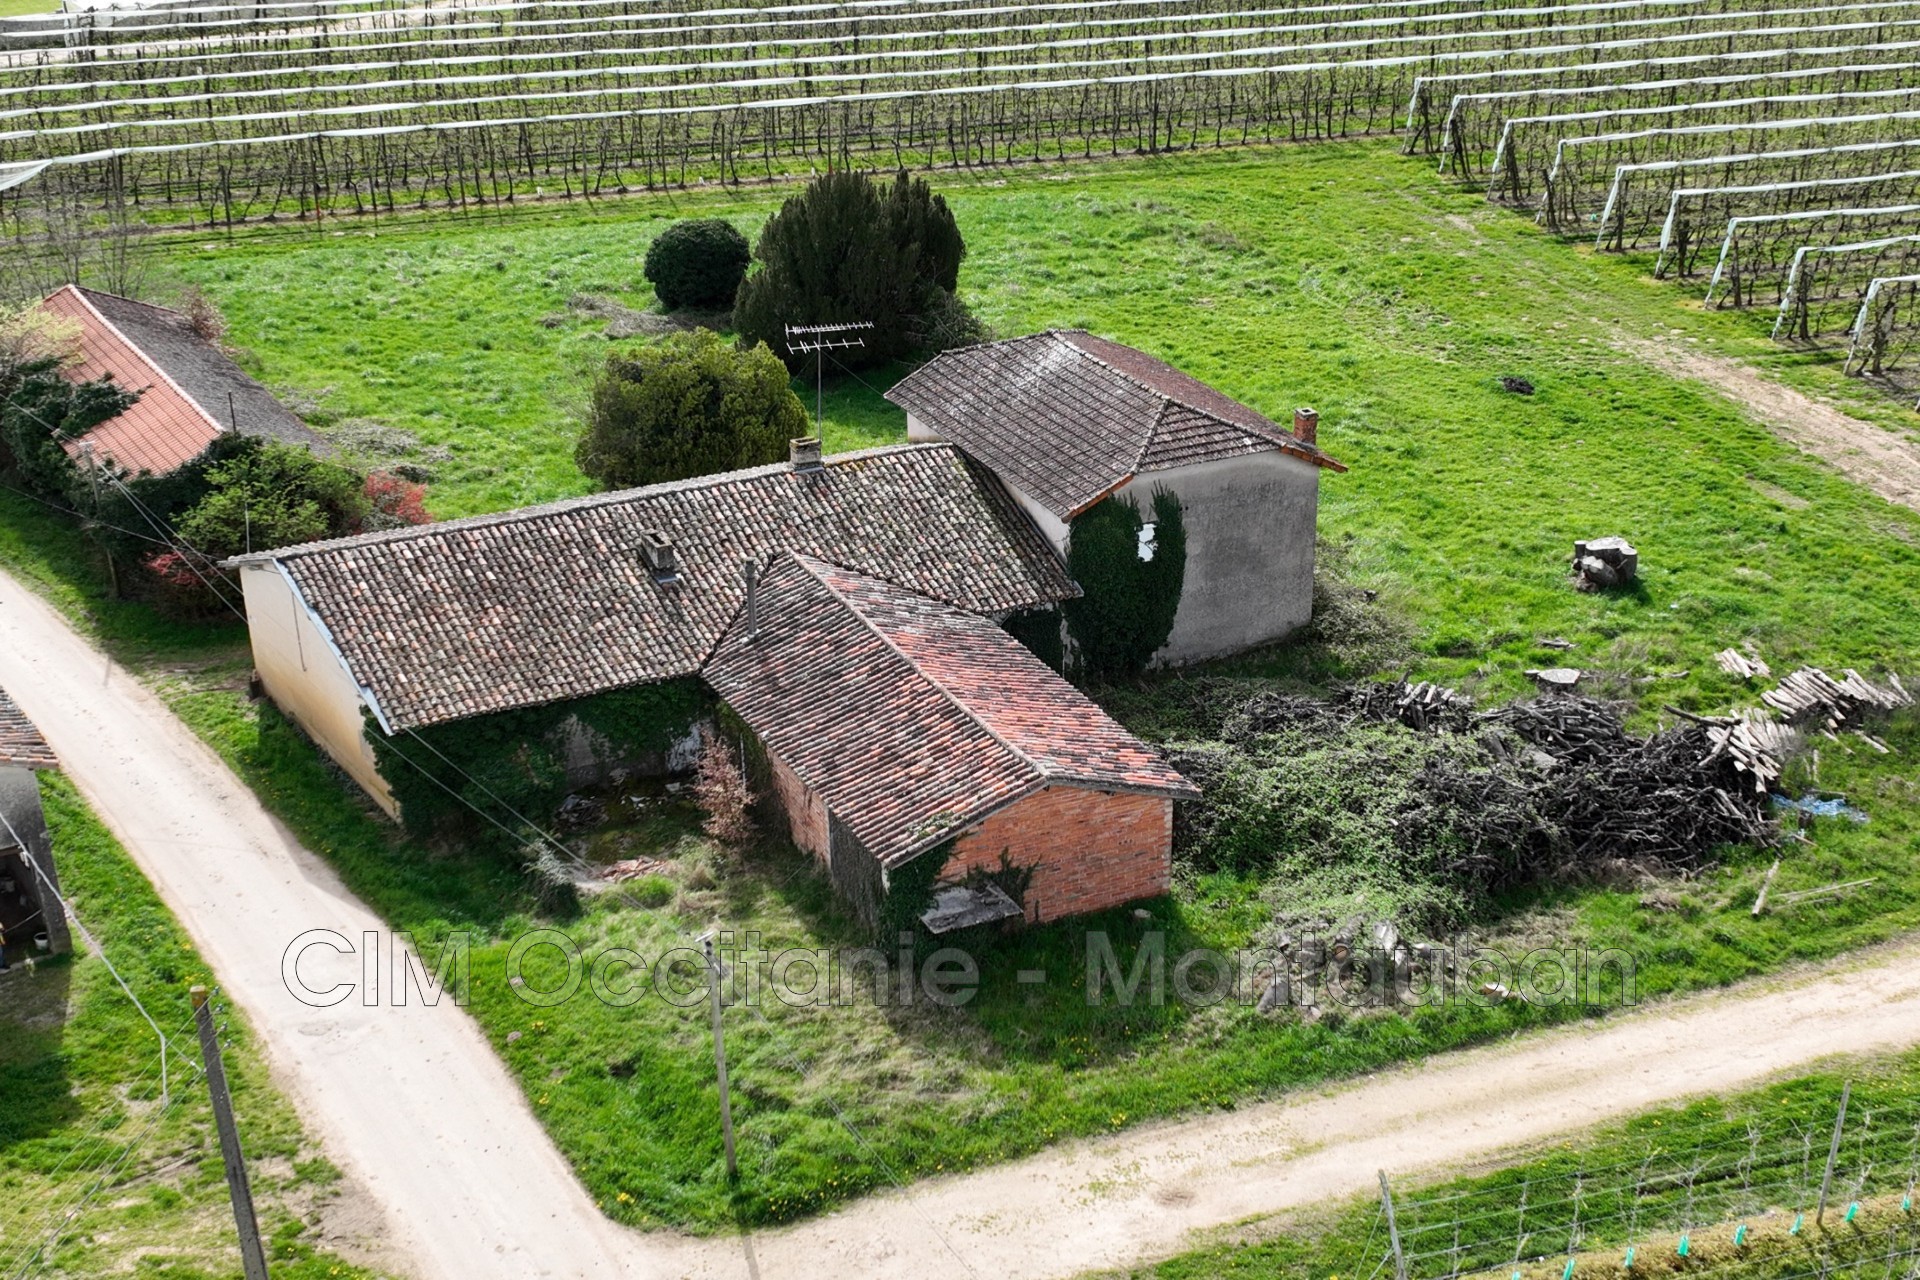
x=850 y=249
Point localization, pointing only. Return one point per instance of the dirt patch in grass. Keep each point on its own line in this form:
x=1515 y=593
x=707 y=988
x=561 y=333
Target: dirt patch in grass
x=1868 y=455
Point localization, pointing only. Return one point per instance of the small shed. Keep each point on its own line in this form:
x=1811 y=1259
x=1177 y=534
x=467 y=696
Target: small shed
x=191 y=392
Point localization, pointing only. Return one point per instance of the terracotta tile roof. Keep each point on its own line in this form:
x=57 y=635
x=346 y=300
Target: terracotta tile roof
x=910 y=718
x=1068 y=417
x=21 y=745
x=446 y=621
x=185 y=384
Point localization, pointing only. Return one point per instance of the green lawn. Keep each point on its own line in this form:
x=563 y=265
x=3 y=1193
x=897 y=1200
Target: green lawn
x=1699 y=1171
x=24 y=8
x=1340 y=276
x=79 y=1070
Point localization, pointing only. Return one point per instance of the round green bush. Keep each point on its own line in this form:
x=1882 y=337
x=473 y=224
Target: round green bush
x=697 y=264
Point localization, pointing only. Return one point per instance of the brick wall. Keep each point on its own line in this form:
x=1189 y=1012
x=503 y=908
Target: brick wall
x=1089 y=850
x=806 y=812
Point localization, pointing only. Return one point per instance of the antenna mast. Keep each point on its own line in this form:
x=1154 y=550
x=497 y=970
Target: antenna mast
x=816 y=340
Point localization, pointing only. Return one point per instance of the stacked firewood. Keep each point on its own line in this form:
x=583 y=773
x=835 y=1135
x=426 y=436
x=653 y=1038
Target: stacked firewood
x=1812 y=699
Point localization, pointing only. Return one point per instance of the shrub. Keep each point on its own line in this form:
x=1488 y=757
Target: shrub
x=688 y=405
x=1128 y=605
x=720 y=789
x=697 y=264
x=203 y=316
x=849 y=249
x=41 y=408
x=393 y=502
x=272 y=495
x=511 y=763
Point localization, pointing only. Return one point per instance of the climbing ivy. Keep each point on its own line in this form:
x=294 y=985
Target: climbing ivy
x=1127 y=608
x=910 y=892
x=513 y=760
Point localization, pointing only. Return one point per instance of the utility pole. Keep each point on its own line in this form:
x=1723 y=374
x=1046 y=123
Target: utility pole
x=719 y=1057
x=251 y=1257
x=817 y=340
x=93 y=482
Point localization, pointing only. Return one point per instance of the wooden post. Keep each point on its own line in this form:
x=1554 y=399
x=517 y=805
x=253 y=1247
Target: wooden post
x=719 y=1058
x=1760 y=902
x=1833 y=1152
x=251 y=1257
x=1393 y=1229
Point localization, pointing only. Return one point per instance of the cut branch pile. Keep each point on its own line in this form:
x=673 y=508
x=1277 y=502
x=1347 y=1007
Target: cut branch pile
x=1418 y=706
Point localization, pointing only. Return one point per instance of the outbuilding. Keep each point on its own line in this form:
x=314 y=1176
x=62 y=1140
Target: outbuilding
x=1066 y=421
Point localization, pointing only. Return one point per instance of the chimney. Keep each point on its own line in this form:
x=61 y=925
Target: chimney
x=1306 y=425
x=750 y=572
x=661 y=556
x=805 y=453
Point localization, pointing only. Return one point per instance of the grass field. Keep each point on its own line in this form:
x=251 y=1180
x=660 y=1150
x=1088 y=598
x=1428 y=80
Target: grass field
x=1338 y=276
x=1699 y=1172
x=25 y=8
x=79 y=1069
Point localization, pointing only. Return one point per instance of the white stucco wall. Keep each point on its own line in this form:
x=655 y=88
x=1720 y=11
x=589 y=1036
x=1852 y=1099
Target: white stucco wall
x=1250 y=524
x=306 y=677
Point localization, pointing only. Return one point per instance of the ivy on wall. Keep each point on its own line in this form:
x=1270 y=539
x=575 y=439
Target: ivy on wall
x=1127 y=610
x=440 y=775
x=910 y=889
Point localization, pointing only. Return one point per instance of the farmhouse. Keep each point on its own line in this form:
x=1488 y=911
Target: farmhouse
x=473 y=618
x=850 y=610
x=1067 y=420
x=31 y=919
x=190 y=391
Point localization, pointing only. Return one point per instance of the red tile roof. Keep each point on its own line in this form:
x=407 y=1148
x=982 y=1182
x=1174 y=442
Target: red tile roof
x=910 y=718
x=190 y=390
x=1068 y=417
x=21 y=745
x=165 y=428
x=468 y=617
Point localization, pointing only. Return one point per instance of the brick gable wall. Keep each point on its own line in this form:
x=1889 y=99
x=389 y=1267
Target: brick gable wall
x=1089 y=850
x=806 y=812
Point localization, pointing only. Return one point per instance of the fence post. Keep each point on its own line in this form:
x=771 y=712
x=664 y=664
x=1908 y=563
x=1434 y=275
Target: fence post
x=251 y=1258
x=1393 y=1229
x=1833 y=1152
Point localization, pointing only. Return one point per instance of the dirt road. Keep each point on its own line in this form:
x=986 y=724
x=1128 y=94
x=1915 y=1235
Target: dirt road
x=415 y=1107
x=1872 y=457
x=412 y=1103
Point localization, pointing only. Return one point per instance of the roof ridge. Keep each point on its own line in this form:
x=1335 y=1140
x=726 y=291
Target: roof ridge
x=1045 y=775
x=581 y=502
x=803 y=559
x=1166 y=399
x=139 y=353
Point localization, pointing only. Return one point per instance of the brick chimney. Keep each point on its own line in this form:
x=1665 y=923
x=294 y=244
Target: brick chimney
x=805 y=453
x=1306 y=425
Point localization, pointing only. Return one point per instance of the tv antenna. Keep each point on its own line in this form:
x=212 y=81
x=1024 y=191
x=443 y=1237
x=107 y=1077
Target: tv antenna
x=816 y=340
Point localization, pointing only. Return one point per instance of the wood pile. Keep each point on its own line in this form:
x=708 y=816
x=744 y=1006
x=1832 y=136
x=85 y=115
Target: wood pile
x=1735 y=663
x=1812 y=699
x=1418 y=706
